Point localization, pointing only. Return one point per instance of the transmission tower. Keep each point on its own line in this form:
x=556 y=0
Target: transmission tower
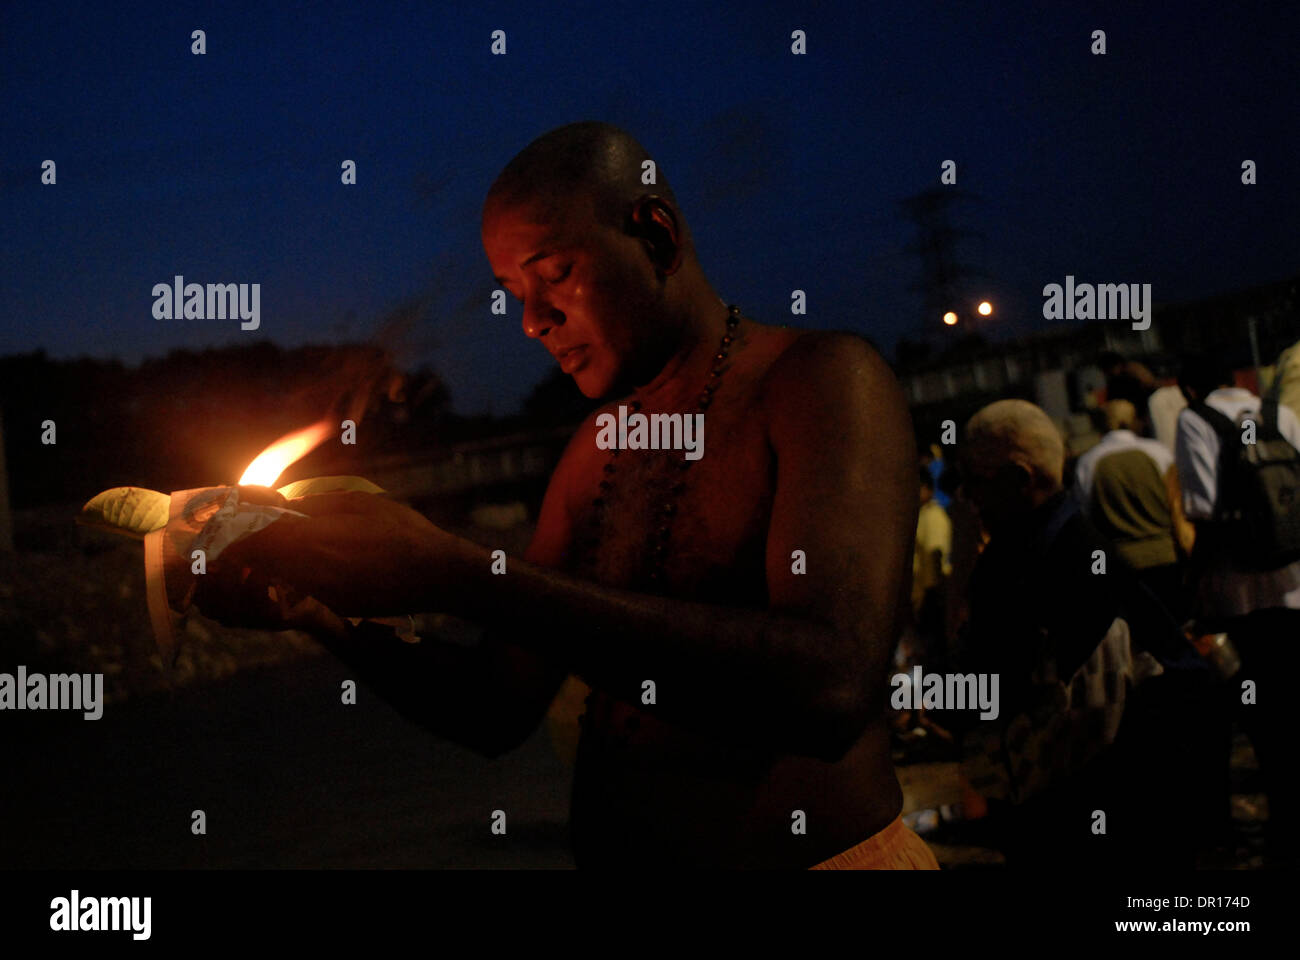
x=943 y=277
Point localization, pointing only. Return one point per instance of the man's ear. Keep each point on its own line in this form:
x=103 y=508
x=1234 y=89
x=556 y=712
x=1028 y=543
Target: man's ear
x=653 y=221
x=1019 y=476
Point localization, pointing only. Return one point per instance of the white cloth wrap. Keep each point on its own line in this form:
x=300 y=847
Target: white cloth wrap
x=1069 y=722
x=208 y=519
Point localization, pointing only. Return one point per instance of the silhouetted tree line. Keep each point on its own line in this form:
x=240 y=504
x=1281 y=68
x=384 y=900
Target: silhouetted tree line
x=195 y=418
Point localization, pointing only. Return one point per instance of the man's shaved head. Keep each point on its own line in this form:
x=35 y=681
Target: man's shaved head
x=581 y=162
x=602 y=263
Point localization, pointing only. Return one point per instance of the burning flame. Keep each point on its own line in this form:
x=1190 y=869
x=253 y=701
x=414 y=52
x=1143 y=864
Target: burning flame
x=275 y=459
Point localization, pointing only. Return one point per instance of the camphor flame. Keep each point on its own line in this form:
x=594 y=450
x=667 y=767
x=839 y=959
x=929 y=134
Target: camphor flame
x=275 y=459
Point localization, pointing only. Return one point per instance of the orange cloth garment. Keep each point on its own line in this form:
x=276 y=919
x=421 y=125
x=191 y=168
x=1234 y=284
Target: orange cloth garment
x=893 y=848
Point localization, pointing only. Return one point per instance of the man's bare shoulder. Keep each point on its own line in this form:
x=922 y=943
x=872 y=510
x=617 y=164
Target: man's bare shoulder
x=823 y=367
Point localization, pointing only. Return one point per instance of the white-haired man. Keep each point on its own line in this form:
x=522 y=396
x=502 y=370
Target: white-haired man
x=1050 y=613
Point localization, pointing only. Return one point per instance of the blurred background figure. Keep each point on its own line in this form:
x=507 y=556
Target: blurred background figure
x=1238 y=590
x=968 y=539
x=923 y=640
x=931 y=567
x=933 y=463
x=1163 y=407
x=1071 y=644
x=1128 y=380
x=1128 y=487
x=1035 y=614
x=1286 y=381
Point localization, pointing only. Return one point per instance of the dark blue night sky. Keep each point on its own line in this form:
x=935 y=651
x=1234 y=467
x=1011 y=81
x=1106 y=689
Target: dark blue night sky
x=225 y=167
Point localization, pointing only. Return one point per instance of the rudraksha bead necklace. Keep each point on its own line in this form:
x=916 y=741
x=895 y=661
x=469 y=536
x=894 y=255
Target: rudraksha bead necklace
x=667 y=509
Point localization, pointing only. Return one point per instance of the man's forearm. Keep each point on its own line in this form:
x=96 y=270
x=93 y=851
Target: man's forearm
x=721 y=669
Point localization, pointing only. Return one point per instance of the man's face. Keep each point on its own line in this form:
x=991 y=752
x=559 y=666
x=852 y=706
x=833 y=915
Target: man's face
x=590 y=293
x=998 y=488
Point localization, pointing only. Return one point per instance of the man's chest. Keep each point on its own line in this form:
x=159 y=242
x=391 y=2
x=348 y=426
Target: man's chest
x=654 y=520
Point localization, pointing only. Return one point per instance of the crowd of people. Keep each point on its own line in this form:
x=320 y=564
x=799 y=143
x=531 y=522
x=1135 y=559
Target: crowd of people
x=1139 y=602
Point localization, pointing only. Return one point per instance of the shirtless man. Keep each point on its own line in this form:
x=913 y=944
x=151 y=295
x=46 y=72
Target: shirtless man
x=769 y=684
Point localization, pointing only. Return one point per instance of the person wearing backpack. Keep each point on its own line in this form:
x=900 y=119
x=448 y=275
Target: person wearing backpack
x=1238 y=460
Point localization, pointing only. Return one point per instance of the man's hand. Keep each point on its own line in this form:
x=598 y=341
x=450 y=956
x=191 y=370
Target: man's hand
x=237 y=595
x=360 y=554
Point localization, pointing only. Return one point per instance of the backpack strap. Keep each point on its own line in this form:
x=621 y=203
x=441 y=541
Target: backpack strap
x=1223 y=424
x=1268 y=426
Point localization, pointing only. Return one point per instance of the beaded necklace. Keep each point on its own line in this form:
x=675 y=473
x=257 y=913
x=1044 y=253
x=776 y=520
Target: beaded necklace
x=667 y=512
x=667 y=509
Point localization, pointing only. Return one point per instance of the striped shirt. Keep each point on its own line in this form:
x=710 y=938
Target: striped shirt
x=1226 y=589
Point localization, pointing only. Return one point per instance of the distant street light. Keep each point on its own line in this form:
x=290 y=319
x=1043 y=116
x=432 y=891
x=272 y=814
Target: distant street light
x=985 y=308
x=950 y=318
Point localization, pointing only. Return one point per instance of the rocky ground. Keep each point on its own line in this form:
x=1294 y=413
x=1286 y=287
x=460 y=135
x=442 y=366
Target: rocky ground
x=72 y=599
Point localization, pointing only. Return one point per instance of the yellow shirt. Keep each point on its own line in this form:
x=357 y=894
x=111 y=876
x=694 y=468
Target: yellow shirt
x=933 y=532
x=1286 y=383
